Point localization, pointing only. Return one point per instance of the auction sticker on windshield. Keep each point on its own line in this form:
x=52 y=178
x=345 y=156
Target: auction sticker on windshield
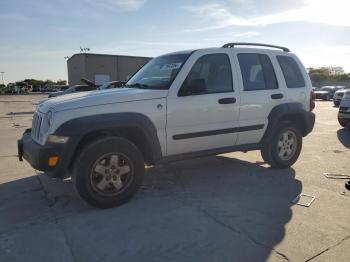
x=171 y=66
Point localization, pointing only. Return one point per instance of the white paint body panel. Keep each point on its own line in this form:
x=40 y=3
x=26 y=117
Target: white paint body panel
x=182 y=115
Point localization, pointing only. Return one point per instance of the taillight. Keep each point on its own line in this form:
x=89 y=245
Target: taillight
x=312 y=100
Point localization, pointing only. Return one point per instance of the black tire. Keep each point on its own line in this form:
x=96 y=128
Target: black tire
x=343 y=122
x=84 y=172
x=270 y=151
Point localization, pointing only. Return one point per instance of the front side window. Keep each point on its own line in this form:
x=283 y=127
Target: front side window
x=291 y=72
x=159 y=73
x=257 y=72
x=210 y=74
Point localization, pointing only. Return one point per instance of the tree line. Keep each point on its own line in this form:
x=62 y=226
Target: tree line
x=324 y=75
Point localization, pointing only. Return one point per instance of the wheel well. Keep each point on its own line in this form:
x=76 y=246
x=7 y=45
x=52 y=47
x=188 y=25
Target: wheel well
x=297 y=120
x=134 y=135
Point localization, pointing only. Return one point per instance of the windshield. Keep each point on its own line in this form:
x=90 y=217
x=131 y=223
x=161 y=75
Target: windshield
x=105 y=86
x=159 y=73
x=70 y=89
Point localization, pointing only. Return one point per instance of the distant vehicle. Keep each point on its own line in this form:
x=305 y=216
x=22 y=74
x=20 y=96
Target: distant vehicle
x=338 y=95
x=326 y=92
x=112 y=84
x=72 y=89
x=344 y=110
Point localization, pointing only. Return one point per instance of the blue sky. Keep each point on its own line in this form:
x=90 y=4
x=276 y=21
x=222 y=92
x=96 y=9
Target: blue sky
x=36 y=35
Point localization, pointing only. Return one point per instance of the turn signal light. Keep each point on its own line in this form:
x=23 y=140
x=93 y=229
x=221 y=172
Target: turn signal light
x=53 y=160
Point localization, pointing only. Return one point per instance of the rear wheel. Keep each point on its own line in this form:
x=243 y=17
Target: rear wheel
x=108 y=172
x=343 y=122
x=282 y=148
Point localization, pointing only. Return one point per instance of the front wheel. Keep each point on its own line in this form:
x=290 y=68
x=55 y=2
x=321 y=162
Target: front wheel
x=343 y=122
x=327 y=98
x=282 y=148
x=108 y=172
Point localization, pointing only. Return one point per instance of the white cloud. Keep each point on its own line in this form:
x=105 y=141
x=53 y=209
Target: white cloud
x=333 y=12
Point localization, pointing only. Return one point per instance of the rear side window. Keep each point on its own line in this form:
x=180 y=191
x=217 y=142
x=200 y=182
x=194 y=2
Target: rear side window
x=257 y=72
x=291 y=71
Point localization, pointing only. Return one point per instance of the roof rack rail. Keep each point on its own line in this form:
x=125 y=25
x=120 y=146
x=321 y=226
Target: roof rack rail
x=231 y=45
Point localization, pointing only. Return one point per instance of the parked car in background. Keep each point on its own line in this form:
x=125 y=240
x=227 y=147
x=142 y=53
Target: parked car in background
x=112 y=84
x=72 y=89
x=344 y=110
x=326 y=92
x=338 y=95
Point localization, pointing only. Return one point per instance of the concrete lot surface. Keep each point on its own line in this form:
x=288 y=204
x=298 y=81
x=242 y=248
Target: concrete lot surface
x=231 y=207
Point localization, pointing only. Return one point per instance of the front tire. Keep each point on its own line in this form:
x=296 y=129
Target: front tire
x=282 y=148
x=108 y=172
x=343 y=122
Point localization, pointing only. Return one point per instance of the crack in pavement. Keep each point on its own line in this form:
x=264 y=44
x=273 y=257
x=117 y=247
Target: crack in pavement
x=55 y=217
x=328 y=248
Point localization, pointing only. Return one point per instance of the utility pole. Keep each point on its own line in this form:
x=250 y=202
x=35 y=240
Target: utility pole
x=2 y=77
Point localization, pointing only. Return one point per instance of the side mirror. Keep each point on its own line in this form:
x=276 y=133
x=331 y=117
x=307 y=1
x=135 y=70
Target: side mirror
x=195 y=86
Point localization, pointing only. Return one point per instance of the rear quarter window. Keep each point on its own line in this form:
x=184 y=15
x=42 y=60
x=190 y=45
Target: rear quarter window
x=291 y=72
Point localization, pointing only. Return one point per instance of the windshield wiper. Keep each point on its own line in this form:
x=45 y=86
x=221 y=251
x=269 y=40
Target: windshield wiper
x=138 y=85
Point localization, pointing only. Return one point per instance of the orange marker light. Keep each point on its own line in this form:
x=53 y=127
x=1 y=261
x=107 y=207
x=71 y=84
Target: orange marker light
x=53 y=160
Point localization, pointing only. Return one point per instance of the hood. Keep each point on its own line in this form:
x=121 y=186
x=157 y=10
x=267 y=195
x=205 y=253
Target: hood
x=341 y=91
x=99 y=97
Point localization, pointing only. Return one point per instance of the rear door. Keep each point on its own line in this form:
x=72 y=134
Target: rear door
x=260 y=92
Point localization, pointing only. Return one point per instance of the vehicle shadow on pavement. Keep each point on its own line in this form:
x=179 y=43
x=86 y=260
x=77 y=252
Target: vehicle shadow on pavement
x=208 y=209
x=344 y=137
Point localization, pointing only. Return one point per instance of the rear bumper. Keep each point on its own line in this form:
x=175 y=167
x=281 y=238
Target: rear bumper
x=38 y=155
x=309 y=122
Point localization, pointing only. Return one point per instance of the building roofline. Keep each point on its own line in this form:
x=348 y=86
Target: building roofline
x=94 y=54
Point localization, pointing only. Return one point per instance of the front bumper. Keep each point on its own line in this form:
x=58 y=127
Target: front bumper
x=38 y=155
x=336 y=101
x=344 y=115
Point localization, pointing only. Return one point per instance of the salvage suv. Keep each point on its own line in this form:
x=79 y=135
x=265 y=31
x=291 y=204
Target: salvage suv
x=178 y=106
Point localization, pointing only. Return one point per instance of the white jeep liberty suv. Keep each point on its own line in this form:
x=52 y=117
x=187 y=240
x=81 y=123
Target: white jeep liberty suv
x=180 y=105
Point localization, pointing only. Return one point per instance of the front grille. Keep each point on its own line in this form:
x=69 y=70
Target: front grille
x=340 y=94
x=343 y=109
x=36 y=124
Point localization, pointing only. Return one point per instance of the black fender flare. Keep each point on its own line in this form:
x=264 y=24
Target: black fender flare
x=78 y=128
x=290 y=112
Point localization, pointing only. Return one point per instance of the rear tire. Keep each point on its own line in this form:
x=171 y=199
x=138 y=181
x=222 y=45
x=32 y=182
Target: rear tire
x=282 y=148
x=108 y=172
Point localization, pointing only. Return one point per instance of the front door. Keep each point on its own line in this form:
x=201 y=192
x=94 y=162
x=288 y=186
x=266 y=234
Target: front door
x=202 y=105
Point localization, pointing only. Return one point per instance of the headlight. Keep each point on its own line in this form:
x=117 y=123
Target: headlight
x=57 y=139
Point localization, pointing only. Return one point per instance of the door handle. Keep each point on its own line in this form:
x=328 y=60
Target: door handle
x=277 y=96
x=227 y=100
